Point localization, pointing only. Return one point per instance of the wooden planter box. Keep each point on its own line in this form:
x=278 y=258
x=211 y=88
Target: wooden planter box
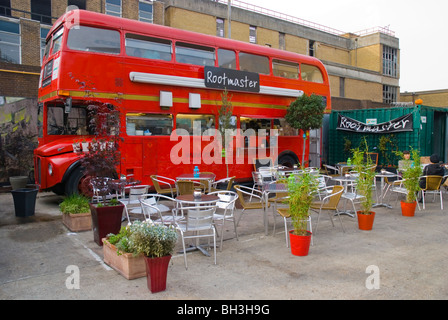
x=128 y=265
x=77 y=222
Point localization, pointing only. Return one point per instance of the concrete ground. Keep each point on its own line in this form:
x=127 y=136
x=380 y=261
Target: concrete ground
x=401 y=258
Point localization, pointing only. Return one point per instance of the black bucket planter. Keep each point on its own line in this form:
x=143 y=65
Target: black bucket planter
x=25 y=201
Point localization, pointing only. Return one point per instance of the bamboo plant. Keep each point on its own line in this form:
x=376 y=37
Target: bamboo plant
x=411 y=176
x=365 y=177
x=302 y=188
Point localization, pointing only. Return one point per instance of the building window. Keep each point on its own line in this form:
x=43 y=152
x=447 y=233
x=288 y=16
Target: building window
x=342 y=87
x=10 y=42
x=220 y=27
x=43 y=36
x=5 y=8
x=81 y=4
x=281 y=41
x=252 y=34
x=390 y=61
x=311 y=50
x=389 y=94
x=41 y=11
x=145 y=11
x=113 y=7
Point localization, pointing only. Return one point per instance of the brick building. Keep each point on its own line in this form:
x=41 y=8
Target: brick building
x=362 y=66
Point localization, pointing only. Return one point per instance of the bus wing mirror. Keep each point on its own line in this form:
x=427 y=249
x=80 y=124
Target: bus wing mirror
x=68 y=105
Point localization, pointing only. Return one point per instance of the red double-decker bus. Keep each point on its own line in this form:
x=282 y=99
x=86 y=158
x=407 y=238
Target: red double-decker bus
x=163 y=80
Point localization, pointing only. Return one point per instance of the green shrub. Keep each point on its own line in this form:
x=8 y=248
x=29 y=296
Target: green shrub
x=74 y=204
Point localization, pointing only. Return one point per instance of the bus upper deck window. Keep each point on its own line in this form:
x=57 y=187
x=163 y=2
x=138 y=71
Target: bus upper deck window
x=227 y=59
x=194 y=54
x=311 y=73
x=57 y=41
x=94 y=40
x=147 y=47
x=285 y=69
x=254 y=63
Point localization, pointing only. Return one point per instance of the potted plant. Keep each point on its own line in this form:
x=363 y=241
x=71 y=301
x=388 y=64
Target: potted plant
x=76 y=213
x=156 y=242
x=412 y=172
x=364 y=167
x=119 y=256
x=301 y=189
x=225 y=116
x=306 y=113
x=99 y=164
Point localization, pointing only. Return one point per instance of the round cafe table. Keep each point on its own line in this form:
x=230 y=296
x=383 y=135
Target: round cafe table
x=205 y=199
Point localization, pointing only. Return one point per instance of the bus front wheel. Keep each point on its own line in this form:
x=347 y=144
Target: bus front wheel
x=78 y=183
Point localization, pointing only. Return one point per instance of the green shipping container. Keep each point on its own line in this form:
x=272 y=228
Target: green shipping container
x=383 y=130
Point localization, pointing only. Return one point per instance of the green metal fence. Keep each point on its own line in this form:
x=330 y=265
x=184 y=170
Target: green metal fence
x=429 y=134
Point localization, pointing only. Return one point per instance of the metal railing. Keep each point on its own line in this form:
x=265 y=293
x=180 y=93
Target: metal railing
x=16 y=13
x=286 y=17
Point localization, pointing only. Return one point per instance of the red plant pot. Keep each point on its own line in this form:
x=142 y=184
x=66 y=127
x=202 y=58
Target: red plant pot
x=300 y=245
x=156 y=273
x=365 y=221
x=408 y=208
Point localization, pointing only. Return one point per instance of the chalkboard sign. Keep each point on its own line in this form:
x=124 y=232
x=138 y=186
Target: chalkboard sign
x=221 y=78
x=373 y=157
x=262 y=162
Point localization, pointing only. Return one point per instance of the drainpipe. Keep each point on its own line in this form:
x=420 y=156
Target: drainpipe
x=229 y=15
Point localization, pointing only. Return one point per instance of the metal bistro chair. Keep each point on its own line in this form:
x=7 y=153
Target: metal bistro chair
x=399 y=188
x=432 y=186
x=286 y=214
x=225 y=211
x=257 y=203
x=329 y=203
x=132 y=203
x=187 y=186
x=164 y=185
x=328 y=168
x=197 y=224
x=225 y=184
x=158 y=208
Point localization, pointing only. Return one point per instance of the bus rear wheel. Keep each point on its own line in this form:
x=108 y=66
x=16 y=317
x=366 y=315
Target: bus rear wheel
x=287 y=160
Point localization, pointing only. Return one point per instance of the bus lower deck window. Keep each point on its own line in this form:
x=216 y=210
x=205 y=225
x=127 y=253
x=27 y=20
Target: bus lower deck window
x=144 y=124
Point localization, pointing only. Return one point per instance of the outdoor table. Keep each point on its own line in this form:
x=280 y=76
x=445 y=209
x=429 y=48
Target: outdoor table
x=344 y=181
x=267 y=189
x=382 y=175
x=202 y=176
x=342 y=166
x=189 y=199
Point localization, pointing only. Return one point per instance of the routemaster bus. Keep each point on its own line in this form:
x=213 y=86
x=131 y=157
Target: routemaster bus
x=164 y=80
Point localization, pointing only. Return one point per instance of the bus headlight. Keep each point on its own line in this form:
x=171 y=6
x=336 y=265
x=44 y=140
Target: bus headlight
x=50 y=169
